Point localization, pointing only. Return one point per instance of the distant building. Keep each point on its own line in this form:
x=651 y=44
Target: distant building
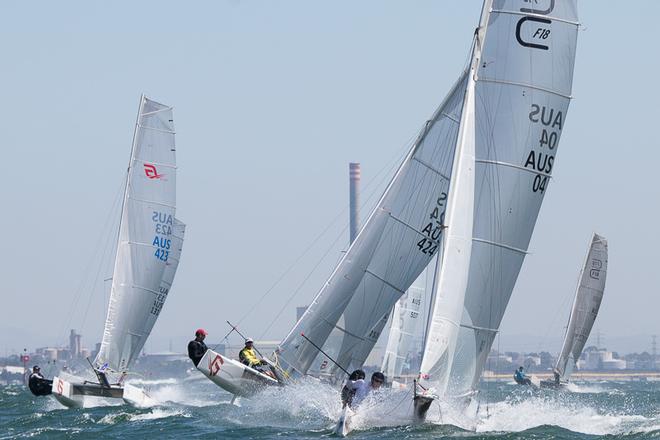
x=600 y=359
x=75 y=344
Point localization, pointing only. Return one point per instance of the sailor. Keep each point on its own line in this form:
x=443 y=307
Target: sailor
x=347 y=394
x=521 y=378
x=197 y=347
x=557 y=376
x=362 y=389
x=248 y=356
x=39 y=385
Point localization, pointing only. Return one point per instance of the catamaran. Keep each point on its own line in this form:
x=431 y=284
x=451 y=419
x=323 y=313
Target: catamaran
x=515 y=98
x=469 y=192
x=148 y=252
x=588 y=296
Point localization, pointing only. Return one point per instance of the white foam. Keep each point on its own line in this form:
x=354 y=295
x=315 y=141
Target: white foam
x=538 y=411
x=154 y=414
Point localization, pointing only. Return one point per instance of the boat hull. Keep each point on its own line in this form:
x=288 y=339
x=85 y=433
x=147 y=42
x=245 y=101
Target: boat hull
x=343 y=427
x=74 y=395
x=232 y=376
x=551 y=384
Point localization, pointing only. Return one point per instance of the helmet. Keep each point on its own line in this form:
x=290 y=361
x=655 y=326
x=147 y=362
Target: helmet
x=201 y=331
x=249 y=340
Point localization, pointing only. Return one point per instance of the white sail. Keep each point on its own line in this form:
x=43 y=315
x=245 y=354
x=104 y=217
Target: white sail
x=171 y=265
x=397 y=242
x=523 y=90
x=452 y=271
x=406 y=329
x=145 y=241
x=588 y=297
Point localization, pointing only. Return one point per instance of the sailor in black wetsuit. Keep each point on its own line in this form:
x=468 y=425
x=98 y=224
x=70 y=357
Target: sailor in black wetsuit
x=39 y=385
x=197 y=347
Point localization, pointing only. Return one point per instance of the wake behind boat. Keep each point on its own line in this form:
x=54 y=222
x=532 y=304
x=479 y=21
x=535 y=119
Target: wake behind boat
x=148 y=251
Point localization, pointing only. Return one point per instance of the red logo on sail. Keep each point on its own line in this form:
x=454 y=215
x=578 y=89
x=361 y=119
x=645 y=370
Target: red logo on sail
x=151 y=172
x=214 y=365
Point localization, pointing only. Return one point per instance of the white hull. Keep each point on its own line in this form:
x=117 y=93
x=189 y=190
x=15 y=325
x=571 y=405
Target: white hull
x=343 y=427
x=76 y=395
x=232 y=376
x=63 y=393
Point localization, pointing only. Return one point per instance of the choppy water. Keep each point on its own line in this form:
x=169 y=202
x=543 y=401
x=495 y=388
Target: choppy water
x=197 y=409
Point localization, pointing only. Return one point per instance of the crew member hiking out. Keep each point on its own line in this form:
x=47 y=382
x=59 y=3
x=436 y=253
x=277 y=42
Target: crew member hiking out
x=521 y=378
x=347 y=393
x=248 y=356
x=39 y=385
x=197 y=347
x=361 y=389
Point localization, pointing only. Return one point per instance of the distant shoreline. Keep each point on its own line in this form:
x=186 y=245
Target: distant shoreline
x=592 y=375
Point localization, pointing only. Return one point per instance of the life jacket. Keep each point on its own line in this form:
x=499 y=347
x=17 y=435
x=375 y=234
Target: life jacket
x=248 y=357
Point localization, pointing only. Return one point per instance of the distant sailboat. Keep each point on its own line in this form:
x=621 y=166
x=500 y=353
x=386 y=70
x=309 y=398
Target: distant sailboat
x=408 y=322
x=518 y=89
x=148 y=251
x=588 y=297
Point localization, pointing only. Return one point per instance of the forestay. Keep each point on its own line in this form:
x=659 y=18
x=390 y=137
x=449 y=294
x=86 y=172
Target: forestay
x=146 y=239
x=523 y=91
x=587 y=301
x=397 y=242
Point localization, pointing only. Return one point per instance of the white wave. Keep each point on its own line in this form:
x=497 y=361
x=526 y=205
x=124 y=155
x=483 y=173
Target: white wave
x=152 y=382
x=154 y=414
x=182 y=394
x=536 y=411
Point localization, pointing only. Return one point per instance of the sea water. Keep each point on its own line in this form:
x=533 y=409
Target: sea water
x=196 y=408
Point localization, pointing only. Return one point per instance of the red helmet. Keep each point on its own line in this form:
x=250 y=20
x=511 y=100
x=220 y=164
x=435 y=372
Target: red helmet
x=201 y=331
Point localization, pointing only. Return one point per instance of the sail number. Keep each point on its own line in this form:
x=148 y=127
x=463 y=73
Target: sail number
x=159 y=301
x=542 y=161
x=433 y=229
x=163 y=229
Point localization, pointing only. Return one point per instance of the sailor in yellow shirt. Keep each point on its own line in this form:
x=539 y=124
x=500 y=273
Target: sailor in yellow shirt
x=249 y=357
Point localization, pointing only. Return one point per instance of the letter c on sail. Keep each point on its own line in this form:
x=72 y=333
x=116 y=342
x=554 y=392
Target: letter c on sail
x=214 y=365
x=526 y=43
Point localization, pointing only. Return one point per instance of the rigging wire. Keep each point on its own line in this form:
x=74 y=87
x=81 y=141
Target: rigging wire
x=98 y=252
x=388 y=166
x=339 y=236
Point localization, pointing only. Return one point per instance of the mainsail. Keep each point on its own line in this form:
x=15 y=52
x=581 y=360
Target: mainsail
x=398 y=241
x=588 y=297
x=149 y=239
x=523 y=89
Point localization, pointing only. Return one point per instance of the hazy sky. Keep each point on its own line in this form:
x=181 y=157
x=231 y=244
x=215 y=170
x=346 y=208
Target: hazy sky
x=272 y=100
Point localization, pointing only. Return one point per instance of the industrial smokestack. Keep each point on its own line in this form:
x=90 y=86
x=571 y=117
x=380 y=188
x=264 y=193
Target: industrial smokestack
x=354 y=173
